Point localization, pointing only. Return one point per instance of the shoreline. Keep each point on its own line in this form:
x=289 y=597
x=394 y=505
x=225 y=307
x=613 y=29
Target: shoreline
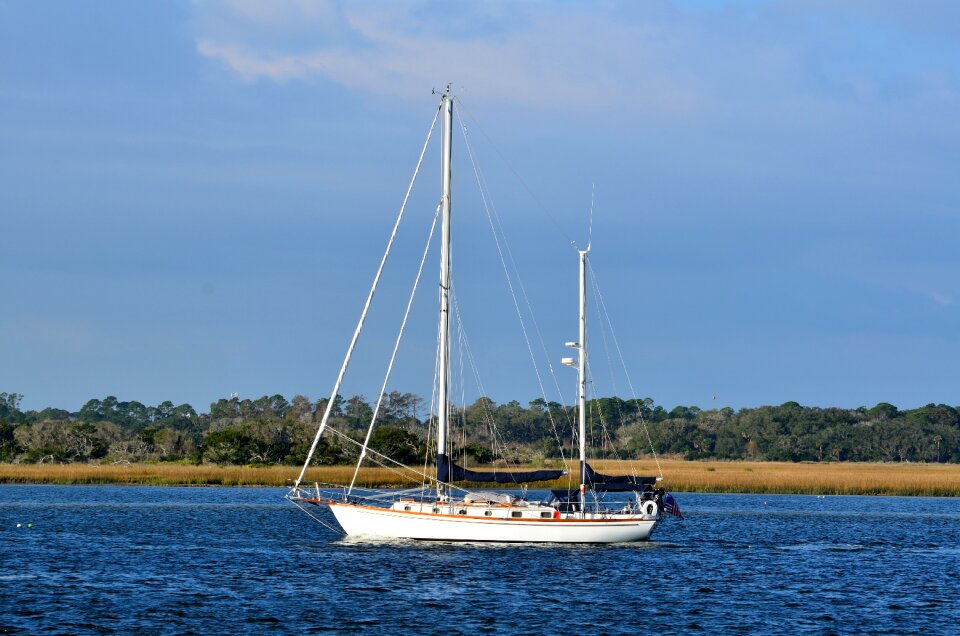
x=929 y=480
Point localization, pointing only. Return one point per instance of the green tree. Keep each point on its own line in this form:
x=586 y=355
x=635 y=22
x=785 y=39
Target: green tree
x=358 y=412
x=8 y=443
x=883 y=411
x=396 y=443
x=10 y=407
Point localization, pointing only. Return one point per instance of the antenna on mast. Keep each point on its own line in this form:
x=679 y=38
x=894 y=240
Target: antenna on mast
x=593 y=198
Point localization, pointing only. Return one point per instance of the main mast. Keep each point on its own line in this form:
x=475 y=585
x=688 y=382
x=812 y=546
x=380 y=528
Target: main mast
x=443 y=466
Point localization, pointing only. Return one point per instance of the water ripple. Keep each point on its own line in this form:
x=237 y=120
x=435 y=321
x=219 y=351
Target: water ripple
x=103 y=559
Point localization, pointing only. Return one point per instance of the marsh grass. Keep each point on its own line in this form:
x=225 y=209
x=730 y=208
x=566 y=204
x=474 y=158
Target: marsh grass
x=164 y=474
x=941 y=480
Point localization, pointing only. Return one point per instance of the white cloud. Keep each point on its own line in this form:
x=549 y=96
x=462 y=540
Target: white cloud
x=279 y=22
x=252 y=65
x=571 y=57
x=780 y=60
x=830 y=93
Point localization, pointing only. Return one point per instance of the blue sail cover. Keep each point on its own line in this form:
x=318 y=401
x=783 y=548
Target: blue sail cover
x=615 y=483
x=448 y=471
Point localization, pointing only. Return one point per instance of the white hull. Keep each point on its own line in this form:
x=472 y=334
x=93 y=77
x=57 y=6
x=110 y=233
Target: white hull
x=368 y=521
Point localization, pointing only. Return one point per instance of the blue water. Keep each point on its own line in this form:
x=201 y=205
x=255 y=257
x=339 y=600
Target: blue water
x=225 y=560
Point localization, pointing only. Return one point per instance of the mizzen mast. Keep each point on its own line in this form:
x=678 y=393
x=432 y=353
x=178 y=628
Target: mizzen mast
x=581 y=364
x=582 y=375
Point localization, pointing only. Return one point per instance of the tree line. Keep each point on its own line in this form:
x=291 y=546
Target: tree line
x=273 y=430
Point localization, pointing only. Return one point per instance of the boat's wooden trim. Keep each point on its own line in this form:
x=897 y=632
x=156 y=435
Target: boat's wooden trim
x=314 y=501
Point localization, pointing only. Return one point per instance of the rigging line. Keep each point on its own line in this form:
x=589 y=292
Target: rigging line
x=374 y=455
x=426 y=457
x=380 y=494
x=487 y=206
x=626 y=373
x=526 y=299
x=456 y=382
x=599 y=302
x=536 y=328
x=441 y=337
x=550 y=414
x=434 y=389
x=396 y=346
x=543 y=208
x=529 y=306
x=606 y=437
x=366 y=306
x=318 y=519
x=606 y=346
x=593 y=410
x=613 y=381
x=499 y=446
x=463 y=394
x=499 y=443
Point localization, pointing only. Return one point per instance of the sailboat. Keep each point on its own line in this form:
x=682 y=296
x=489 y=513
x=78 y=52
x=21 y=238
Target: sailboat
x=571 y=515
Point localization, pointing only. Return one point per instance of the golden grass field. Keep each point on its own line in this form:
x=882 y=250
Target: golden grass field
x=940 y=480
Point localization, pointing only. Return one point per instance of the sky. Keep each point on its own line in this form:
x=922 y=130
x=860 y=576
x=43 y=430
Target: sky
x=194 y=196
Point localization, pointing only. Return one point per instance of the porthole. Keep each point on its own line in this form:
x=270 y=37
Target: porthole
x=487 y=513
x=436 y=510
x=516 y=513
x=406 y=507
x=546 y=515
x=461 y=512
